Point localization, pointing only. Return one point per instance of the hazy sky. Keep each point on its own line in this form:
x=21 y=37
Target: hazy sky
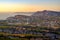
x=28 y=5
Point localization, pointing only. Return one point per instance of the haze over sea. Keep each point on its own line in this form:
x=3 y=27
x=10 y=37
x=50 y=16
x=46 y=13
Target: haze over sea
x=4 y=15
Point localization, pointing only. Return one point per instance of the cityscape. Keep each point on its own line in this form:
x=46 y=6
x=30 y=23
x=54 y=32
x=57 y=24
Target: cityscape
x=41 y=25
x=29 y=19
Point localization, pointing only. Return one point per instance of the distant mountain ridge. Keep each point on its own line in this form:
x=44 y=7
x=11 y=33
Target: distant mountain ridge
x=46 y=12
x=40 y=18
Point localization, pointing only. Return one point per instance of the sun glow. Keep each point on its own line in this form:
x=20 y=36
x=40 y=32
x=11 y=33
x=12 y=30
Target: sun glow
x=25 y=8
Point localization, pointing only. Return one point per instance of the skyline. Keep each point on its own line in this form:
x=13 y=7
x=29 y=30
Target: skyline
x=28 y=5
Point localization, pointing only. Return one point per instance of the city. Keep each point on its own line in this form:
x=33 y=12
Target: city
x=35 y=27
x=29 y=19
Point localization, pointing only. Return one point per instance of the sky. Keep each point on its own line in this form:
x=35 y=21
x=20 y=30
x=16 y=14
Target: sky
x=28 y=5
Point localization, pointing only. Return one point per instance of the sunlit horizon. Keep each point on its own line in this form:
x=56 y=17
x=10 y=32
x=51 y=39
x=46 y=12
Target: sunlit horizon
x=29 y=5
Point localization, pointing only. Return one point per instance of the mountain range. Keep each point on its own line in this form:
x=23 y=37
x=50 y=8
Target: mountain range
x=46 y=12
x=40 y=18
